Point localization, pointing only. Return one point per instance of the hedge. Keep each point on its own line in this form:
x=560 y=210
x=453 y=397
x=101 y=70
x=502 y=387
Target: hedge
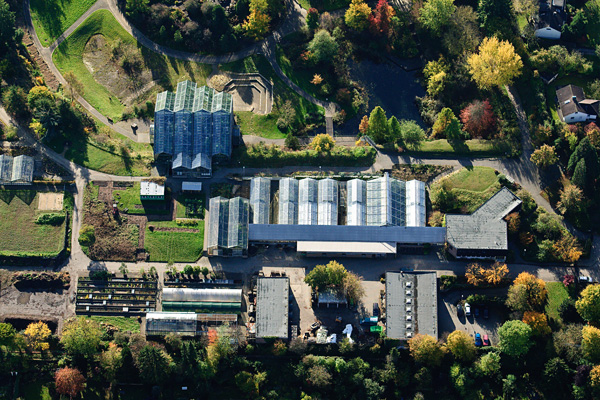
x=50 y=219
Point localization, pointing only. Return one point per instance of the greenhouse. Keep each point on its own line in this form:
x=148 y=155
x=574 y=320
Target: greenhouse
x=308 y=202
x=357 y=202
x=415 y=203
x=386 y=202
x=16 y=170
x=227 y=226
x=163 y=323
x=288 y=201
x=328 y=202
x=191 y=126
x=260 y=196
x=226 y=300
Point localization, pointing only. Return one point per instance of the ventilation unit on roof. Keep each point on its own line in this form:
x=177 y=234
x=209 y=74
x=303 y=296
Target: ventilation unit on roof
x=408 y=309
x=409 y=318
x=408 y=284
x=409 y=326
x=408 y=301
x=409 y=292
x=408 y=334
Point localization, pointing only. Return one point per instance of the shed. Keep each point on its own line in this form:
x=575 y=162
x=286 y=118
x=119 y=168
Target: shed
x=152 y=191
x=332 y=298
x=191 y=186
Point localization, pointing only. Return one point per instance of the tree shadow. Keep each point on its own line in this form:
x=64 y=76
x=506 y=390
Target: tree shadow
x=459 y=146
x=49 y=13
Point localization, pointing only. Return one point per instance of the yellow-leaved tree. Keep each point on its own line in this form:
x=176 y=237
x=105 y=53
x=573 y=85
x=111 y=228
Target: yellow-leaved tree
x=461 y=346
x=426 y=350
x=257 y=24
x=567 y=248
x=496 y=273
x=357 y=15
x=590 y=343
x=322 y=143
x=595 y=377
x=474 y=274
x=538 y=322
x=496 y=63
x=37 y=334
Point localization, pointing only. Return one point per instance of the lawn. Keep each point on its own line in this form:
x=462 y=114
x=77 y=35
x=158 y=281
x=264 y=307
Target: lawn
x=471 y=147
x=174 y=246
x=19 y=234
x=300 y=77
x=476 y=179
x=266 y=125
x=130 y=199
x=167 y=71
x=557 y=293
x=52 y=17
x=325 y=5
x=123 y=323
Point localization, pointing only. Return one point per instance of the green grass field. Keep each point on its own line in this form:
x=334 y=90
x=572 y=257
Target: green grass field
x=266 y=125
x=167 y=71
x=471 y=147
x=196 y=205
x=557 y=293
x=19 y=234
x=123 y=323
x=476 y=179
x=174 y=246
x=130 y=199
x=52 y=17
x=326 y=5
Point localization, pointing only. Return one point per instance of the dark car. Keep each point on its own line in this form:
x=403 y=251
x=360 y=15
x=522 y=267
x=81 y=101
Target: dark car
x=476 y=312
x=486 y=340
x=375 y=309
x=315 y=326
x=459 y=310
x=478 y=341
x=486 y=313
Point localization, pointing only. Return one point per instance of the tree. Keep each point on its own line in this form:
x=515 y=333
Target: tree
x=567 y=343
x=461 y=346
x=69 y=381
x=538 y=322
x=7 y=24
x=425 y=349
x=474 y=274
x=527 y=293
x=363 y=127
x=488 y=365
x=557 y=377
x=394 y=130
x=436 y=73
x=545 y=156
x=292 y=142
x=462 y=35
x=136 y=8
x=547 y=225
x=154 y=365
x=248 y=383
x=436 y=219
x=590 y=343
x=111 y=361
x=81 y=337
x=7 y=334
x=447 y=125
x=496 y=17
x=496 y=273
x=588 y=305
x=204 y=271
x=381 y=18
x=188 y=270
x=496 y=64
x=595 y=377
x=478 y=119
x=352 y=286
x=589 y=170
x=412 y=134
x=257 y=24
x=332 y=274
x=323 y=46
x=312 y=18
x=567 y=248
x=571 y=200
x=37 y=334
x=436 y=14
x=515 y=338
x=75 y=85
x=357 y=15
x=322 y=143
x=378 y=125
x=318 y=376
x=14 y=100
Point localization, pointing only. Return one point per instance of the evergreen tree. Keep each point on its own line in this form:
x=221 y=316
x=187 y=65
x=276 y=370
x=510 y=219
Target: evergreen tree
x=394 y=130
x=580 y=175
x=378 y=125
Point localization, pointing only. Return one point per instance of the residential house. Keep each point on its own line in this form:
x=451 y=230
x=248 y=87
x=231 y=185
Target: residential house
x=550 y=19
x=574 y=107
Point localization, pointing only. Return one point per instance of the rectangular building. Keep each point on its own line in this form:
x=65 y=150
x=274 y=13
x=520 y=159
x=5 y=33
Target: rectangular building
x=272 y=307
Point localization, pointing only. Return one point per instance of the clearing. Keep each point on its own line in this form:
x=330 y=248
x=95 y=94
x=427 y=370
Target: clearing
x=468 y=189
x=52 y=17
x=266 y=125
x=177 y=244
x=557 y=293
x=124 y=324
x=114 y=52
x=18 y=213
x=475 y=179
x=51 y=201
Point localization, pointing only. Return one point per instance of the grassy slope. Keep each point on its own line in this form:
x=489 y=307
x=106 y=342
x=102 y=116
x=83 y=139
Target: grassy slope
x=557 y=293
x=18 y=212
x=472 y=147
x=167 y=71
x=476 y=179
x=300 y=77
x=174 y=246
x=52 y=17
x=265 y=125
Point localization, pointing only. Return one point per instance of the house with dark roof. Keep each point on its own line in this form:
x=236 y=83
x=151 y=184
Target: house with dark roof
x=550 y=19
x=484 y=233
x=574 y=107
x=191 y=128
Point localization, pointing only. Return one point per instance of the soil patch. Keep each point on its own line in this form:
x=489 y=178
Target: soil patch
x=23 y=298
x=105 y=62
x=41 y=281
x=51 y=201
x=422 y=172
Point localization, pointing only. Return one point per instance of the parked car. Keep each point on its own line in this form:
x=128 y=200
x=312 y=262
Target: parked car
x=586 y=279
x=476 y=312
x=376 y=309
x=316 y=325
x=486 y=340
x=459 y=310
x=467 y=309
x=369 y=321
x=478 y=341
x=486 y=313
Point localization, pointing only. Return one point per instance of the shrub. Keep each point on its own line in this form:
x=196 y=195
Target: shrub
x=87 y=236
x=50 y=219
x=186 y=221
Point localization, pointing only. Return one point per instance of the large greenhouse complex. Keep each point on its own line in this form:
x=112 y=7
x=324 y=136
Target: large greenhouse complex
x=191 y=127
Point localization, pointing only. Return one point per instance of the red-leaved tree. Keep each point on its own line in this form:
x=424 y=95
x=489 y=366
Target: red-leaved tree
x=69 y=381
x=381 y=18
x=478 y=119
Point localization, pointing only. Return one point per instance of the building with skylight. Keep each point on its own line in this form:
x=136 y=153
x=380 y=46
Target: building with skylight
x=193 y=127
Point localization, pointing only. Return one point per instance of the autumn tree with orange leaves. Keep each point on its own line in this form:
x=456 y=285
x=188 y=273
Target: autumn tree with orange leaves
x=538 y=322
x=69 y=381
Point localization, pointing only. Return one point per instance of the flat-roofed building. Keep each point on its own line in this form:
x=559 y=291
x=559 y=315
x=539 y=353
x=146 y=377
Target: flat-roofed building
x=152 y=191
x=272 y=307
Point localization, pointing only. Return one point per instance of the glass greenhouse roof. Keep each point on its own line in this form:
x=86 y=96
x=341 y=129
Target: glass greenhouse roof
x=356 y=202
x=218 y=220
x=203 y=99
x=184 y=98
x=222 y=102
x=288 y=201
x=165 y=101
x=6 y=166
x=328 y=202
x=237 y=235
x=308 y=202
x=415 y=203
x=386 y=202
x=260 y=196
x=17 y=169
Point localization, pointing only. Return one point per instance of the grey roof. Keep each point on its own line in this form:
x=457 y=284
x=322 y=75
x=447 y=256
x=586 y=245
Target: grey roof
x=332 y=296
x=227 y=223
x=485 y=228
x=204 y=295
x=568 y=99
x=17 y=169
x=337 y=233
x=411 y=304
x=272 y=307
x=308 y=201
x=6 y=165
x=328 y=202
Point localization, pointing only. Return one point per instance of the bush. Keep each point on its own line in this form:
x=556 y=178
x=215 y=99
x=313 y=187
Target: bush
x=186 y=222
x=87 y=236
x=50 y=219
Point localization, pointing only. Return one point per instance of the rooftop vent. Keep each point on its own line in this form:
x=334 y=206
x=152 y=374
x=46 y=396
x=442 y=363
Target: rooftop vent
x=408 y=326
x=409 y=292
x=409 y=318
x=408 y=334
x=408 y=301
x=408 y=309
x=408 y=284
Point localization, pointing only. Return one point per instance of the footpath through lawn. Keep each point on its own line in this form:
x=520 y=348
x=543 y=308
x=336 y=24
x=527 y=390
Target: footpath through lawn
x=52 y=17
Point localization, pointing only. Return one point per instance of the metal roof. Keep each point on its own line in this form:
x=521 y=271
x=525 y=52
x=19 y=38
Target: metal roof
x=171 y=315
x=288 y=201
x=346 y=247
x=356 y=202
x=202 y=295
x=151 y=189
x=17 y=169
x=338 y=233
x=272 y=307
x=485 y=228
x=191 y=186
x=411 y=304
